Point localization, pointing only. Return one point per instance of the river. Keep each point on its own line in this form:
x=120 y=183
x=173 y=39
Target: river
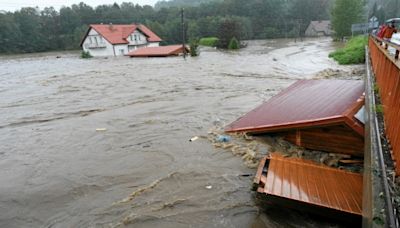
x=104 y=142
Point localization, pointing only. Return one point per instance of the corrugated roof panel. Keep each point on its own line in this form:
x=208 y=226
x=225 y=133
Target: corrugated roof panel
x=314 y=184
x=306 y=102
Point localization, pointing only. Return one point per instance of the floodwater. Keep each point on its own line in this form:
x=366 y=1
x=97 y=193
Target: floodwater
x=105 y=142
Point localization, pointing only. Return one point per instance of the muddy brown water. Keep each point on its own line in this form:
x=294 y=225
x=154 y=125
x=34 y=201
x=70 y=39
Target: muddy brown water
x=57 y=170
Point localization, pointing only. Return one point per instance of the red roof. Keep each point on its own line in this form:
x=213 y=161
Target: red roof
x=152 y=37
x=118 y=34
x=306 y=103
x=157 y=51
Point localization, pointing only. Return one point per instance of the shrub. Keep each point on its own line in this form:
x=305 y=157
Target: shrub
x=352 y=53
x=233 y=44
x=86 y=55
x=209 y=41
x=194 y=48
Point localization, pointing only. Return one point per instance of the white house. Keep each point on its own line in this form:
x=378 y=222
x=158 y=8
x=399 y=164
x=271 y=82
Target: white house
x=117 y=40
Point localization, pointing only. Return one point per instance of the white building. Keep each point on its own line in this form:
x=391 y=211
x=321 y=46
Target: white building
x=117 y=40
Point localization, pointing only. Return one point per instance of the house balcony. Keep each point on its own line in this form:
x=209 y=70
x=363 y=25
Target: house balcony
x=94 y=45
x=137 y=42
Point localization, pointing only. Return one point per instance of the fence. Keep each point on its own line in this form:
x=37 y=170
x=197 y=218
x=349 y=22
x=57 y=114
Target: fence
x=386 y=68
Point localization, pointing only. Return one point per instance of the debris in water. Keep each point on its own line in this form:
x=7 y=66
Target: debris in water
x=223 y=138
x=252 y=149
x=101 y=129
x=194 y=139
x=208 y=187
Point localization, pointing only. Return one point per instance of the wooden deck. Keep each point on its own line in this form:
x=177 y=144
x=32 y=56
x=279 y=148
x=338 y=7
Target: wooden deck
x=310 y=186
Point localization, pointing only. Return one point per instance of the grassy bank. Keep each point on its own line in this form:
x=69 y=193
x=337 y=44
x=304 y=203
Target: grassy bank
x=352 y=53
x=209 y=41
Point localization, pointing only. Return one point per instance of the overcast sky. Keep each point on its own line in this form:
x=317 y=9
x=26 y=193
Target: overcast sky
x=12 y=5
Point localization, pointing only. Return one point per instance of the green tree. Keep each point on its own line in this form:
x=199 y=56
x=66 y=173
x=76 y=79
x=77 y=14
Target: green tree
x=228 y=29
x=9 y=34
x=306 y=11
x=344 y=14
x=233 y=44
x=29 y=22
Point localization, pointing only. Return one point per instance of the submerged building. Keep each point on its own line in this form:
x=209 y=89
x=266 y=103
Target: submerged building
x=117 y=40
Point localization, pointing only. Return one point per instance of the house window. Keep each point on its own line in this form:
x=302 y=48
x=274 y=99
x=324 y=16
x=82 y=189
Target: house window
x=131 y=37
x=101 y=39
x=138 y=37
x=135 y=37
x=90 y=39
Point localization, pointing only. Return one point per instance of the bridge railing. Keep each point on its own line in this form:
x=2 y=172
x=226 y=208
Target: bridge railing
x=386 y=67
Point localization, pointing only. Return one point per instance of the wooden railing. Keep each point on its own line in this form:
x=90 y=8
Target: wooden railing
x=386 y=68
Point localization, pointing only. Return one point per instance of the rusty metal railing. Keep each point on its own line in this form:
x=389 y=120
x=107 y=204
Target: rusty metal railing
x=386 y=68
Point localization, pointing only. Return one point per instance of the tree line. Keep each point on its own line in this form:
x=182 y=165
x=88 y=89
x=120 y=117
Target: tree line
x=33 y=30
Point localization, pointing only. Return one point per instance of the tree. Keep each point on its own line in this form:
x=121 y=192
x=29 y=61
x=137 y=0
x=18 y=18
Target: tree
x=29 y=21
x=344 y=14
x=233 y=44
x=9 y=34
x=228 y=29
x=309 y=10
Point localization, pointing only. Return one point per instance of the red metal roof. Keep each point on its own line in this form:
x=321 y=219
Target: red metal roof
x=310 y=183
x=118 y=34
x=157 y=51
x=306 y=103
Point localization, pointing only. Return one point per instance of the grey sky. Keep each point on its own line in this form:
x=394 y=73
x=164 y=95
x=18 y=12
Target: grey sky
x=12 y=5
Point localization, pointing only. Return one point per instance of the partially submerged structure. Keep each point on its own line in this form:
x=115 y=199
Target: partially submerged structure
x=314 y=114
x=319 y=28
x=323 y=115
x=304 y=184
x=162 y=51
x=117 y=40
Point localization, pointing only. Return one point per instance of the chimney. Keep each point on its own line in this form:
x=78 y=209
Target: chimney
x=110 y=26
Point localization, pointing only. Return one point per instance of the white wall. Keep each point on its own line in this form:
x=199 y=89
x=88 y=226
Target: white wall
x=90 y=40
x=121 y=49
x=153 y=44
x=140 y=38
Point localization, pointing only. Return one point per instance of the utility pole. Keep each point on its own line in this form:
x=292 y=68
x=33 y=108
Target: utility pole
x=183 y=34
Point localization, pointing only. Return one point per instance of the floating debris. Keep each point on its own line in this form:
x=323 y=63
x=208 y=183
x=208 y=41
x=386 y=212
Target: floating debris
x=194 y=139
x=280 y=179
x=101 y=129
x=223 y=138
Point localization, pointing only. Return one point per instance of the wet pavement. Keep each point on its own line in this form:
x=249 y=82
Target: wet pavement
x=139 y=168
